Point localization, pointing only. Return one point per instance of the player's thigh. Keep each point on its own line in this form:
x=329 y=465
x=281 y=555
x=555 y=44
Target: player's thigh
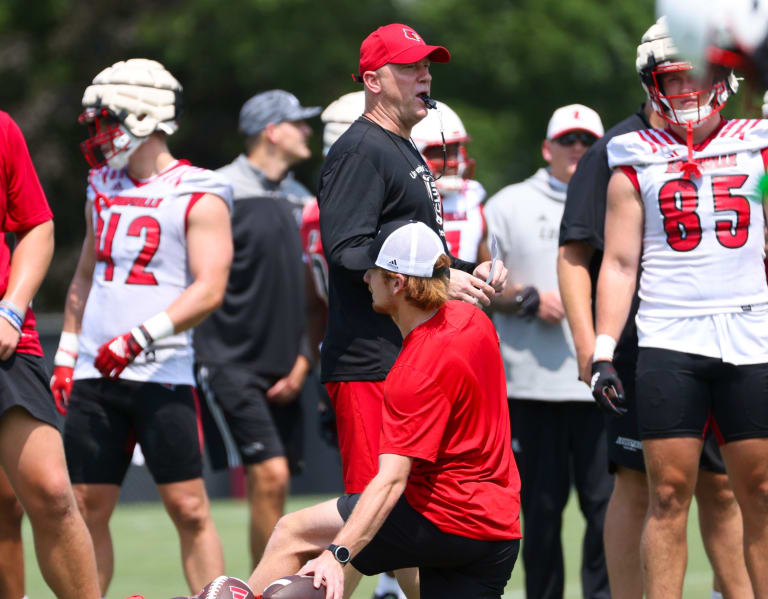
x=166 y=422
x=740 y=409
x=240 y=395
x=98 y=433
x=673 y=393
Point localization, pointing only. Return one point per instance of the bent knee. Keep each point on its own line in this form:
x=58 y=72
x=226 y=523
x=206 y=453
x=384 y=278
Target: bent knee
x=189 y=511
x=669 y=499
x=52 y=500
x=270 y=476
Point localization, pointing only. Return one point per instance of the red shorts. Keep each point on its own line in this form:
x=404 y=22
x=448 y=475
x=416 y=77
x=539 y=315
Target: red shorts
x=358 y=420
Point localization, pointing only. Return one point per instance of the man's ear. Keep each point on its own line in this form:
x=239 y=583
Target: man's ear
x=398 y=283
x=372 y=81
x=546 y=152
x=270 y=132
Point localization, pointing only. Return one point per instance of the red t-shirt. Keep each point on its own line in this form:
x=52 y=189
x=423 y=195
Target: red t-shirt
x=22 y=206
x=445 y=405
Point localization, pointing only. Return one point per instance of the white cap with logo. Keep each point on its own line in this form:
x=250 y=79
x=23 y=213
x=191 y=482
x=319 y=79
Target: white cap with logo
x=574 y=117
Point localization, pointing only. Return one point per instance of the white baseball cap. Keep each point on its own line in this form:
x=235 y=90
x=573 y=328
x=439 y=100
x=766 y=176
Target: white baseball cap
x=405 y=247
x=574 y=117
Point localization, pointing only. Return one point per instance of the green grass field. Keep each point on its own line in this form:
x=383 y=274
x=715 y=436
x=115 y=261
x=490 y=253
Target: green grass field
x=147 y=556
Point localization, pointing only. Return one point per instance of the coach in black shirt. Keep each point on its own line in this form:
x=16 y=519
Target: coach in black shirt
x=372 y=175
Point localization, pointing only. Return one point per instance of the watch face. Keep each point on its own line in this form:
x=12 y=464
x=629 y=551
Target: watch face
x=342 y=554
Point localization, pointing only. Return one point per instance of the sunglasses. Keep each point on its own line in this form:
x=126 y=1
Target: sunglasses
x=586 y=139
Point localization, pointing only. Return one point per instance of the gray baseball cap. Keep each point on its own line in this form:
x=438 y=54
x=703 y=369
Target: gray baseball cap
x=274 y=106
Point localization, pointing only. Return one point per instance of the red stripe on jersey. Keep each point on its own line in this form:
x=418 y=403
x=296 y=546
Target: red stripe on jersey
x=740 y=131
x=728 y=126
x=764 y=154
x=666 y=137
x=648 y=141
x=630 y=172
x=192 y=201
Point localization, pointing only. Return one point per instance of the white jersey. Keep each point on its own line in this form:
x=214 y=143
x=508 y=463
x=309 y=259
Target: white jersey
x=141 y=251
x=463 y=221
x=703 y=239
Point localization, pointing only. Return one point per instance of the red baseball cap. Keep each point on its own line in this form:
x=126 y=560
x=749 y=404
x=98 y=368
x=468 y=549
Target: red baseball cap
x=398 y=44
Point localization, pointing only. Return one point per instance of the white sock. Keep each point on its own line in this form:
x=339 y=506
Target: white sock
x=716 y=595
x=387 y=584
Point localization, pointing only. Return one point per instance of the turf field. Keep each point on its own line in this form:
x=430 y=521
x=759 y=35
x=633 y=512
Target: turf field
x=147 y=556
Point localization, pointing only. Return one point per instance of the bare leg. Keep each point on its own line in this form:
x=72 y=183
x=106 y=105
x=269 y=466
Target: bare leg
x=202 y=556
x=408 y=579
x=297 y=538
x=721 y=530
x=624 y=520
x=267 y=484
x=32 y=454
x=11 y=550
x=97 y=503
x=747 y=465
x=672 y=465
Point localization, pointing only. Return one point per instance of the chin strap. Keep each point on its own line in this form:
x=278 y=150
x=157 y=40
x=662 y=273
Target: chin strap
x=691 y=169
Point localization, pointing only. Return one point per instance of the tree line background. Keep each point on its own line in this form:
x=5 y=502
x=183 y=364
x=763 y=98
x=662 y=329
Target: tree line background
x=514 y=62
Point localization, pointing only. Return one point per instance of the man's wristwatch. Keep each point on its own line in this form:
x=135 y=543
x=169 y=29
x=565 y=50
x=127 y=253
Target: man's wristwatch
x=340 y=552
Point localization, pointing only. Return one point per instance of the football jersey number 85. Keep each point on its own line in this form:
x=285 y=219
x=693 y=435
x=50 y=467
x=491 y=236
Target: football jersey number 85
x=679 y=200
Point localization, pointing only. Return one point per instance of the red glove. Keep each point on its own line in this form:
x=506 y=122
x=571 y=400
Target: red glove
x=61 y=387
x=117 y=353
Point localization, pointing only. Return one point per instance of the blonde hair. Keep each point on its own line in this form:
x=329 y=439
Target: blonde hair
x=426 y=293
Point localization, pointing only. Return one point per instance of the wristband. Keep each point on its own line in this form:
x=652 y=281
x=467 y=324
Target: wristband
x=14 y=308
x=69 y=346
x=604 y=348
x=152 y=329
x=11 y=316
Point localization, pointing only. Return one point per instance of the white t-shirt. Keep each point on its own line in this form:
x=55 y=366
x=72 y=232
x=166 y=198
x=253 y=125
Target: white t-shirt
x=142 y=267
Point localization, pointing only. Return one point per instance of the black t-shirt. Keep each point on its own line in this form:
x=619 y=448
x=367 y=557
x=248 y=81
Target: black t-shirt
x=584 y=216
x=262 y=322
x=370 y=177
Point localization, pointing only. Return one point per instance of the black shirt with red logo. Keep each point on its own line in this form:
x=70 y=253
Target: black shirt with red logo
x=370 y=177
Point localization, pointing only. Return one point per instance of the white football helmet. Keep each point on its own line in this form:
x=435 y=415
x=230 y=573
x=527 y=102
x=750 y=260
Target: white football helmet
x=730 y=33
x=339 y=115
x=658 y=55
x=426 y=134
x=124 y=105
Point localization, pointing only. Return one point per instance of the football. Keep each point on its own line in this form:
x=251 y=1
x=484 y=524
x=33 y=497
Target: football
x=226 y=587
x=294 y=587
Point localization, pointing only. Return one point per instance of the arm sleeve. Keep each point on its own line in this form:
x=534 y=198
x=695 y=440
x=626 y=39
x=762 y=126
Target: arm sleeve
x=351 y=199
x=26 y=203
x=584 y=214
x=415 y=414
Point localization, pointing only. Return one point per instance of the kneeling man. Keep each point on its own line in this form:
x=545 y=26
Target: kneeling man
x=446 y=498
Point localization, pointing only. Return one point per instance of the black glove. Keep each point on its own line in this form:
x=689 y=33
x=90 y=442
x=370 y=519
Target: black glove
x=607 y=388
x=527 y=301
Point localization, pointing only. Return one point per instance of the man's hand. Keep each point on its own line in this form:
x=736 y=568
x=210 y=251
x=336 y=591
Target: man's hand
x=116 y=354
x=550 y=307
x=61 y=387
x=327 y=570
x=9 y=339
x=499 y=280
x=468 y=288
x=286 y=389
x=607 y=388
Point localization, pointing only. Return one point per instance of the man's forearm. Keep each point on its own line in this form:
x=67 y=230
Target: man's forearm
x=29 y=263
x=615 y=288
x=576 y=292
x=372 y=509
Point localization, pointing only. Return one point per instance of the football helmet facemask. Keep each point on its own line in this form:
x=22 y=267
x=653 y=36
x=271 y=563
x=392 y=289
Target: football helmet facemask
x=124 y=105
x=426 y=134
x=657 y=56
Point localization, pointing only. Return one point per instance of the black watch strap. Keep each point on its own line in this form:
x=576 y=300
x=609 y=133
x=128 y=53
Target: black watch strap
x=340 y=552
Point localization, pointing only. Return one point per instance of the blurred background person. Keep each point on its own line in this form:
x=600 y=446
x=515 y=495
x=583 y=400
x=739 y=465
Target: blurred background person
x=252 y=353
x=557 y=429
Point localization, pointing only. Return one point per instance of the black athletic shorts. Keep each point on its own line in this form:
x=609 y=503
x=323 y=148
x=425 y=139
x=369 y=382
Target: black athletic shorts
x=678 y=392
x=106 y=418
x=624 y=445
x=449 y=565
x=24 y=382
x=241 y=425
